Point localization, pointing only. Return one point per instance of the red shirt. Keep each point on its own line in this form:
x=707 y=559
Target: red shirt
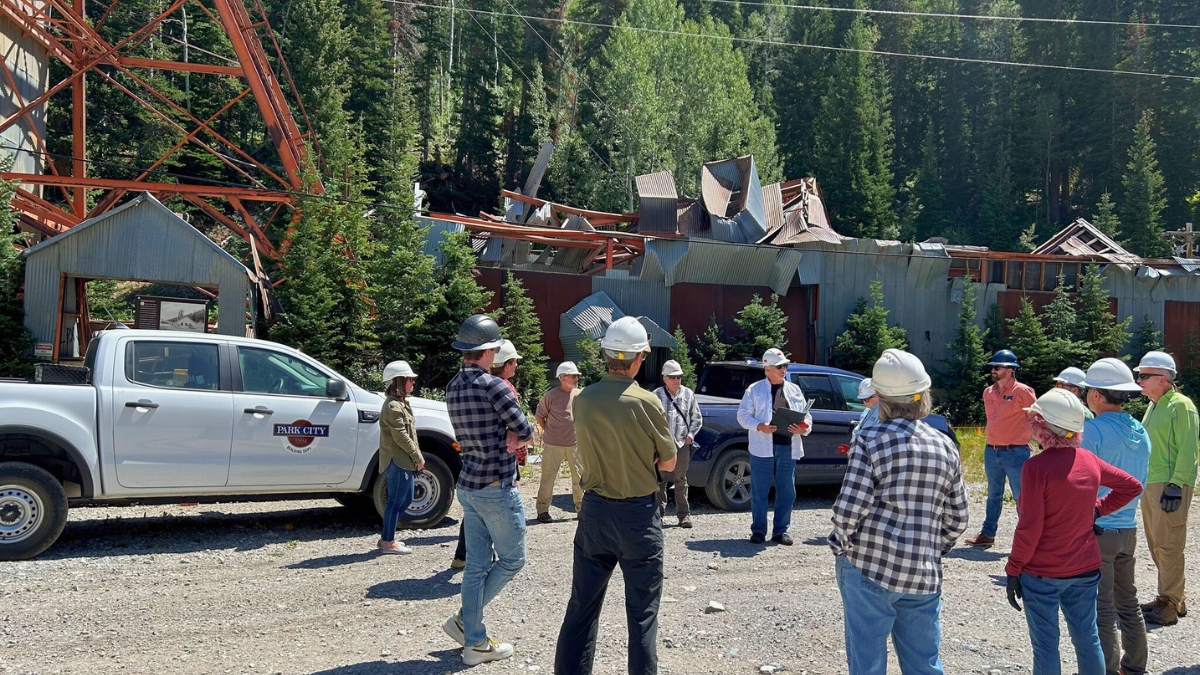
x=1007 y=423
x=1054 y=535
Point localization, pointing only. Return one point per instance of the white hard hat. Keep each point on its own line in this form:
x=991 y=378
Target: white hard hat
x=626 y=337
x=672 y=367
x=1061 y=408
x=506 y=352
x=397 y=369
x=775 y=357
x=898 y=374
x=566 y=368
x=1111 y=374
x=1072 y=376
x=865 y=390
x=1160 y=360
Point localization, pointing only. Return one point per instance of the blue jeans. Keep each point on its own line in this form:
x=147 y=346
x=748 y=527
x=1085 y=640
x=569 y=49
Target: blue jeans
x=492 y=517
x=780 y=469
x=999 y=464
x=1077 y=598
x=399 y=496
x=871 y=613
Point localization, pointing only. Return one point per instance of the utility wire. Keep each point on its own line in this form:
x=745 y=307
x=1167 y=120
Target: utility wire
x=775 y=43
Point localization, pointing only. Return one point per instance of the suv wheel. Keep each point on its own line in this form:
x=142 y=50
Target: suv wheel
x=433 y=493
x=33 y=510
x=728 y=487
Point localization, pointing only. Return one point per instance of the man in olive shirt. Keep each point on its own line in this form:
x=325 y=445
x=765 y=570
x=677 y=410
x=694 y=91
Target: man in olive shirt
x=624 y=441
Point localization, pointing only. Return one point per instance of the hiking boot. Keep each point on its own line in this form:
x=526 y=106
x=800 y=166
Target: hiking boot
x=981 y=539
x=785 y=539
x=458 y=564
x=1167 y=615
x=758 y=538
x=393 y=547
x=488 y=650
x=454 y=628
x=685 y=522
x=542 y=518
x=1182 y=608
x=1154 y=604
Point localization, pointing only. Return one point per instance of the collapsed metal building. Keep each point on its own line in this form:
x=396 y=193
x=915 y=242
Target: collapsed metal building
x=686 y=261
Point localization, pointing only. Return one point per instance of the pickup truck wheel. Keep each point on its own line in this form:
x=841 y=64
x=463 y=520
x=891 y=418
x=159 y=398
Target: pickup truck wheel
x=33 y=510
x=728 y=487
x=433 y=493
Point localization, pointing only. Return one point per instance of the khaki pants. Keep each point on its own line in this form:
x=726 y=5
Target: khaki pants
x=1166 y=535
x=552 y=459
x=679 y=477
x=1117 y=605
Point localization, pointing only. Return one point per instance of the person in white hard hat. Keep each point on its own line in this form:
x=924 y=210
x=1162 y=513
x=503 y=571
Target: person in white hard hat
x=1055 y=560
x=624 y=442
x=1072 y=379
x=1115 y=437
x=400 y=457
x=901 y=508
x=683 y=414
x=773 y=453
x=555 y=416
x=870 y=416
x=1172 y=424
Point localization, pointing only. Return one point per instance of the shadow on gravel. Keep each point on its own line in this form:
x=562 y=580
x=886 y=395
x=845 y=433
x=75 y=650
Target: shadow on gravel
x=447 y=659
x=334 y=560
x=563 y=502
x=816 y=541
x=728 y=548
x=435 y=587
x=1184 y=670
x=428 y=540
x=999 y=580
x=144 y=533
x=975 y=554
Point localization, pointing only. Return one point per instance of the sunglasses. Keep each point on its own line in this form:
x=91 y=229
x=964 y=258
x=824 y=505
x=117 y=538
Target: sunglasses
x=1146 y=376
x=673 y=377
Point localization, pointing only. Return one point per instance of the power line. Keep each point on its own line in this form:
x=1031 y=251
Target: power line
x=775 y=43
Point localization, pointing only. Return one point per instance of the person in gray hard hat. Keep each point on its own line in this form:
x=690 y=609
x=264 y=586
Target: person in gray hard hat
x=555 y=415
x=683 y=414
x=483 y=410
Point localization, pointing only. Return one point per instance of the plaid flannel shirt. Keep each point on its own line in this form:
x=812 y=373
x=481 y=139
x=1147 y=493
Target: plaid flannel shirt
x=482 y=409
x=685 y=399
x=902 y=506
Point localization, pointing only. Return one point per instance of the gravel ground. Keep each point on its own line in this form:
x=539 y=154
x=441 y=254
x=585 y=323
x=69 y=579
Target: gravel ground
x=296 y=587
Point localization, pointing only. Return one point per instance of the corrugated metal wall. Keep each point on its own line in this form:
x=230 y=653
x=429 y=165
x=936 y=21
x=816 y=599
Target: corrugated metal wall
x=552 y=294
x=139 y=241
x=694 y=305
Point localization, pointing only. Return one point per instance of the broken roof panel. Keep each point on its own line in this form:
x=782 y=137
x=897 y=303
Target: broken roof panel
x=658 y=203
x=772 y=208
x=709 y=262
x=731 y=189
x=1081 y=238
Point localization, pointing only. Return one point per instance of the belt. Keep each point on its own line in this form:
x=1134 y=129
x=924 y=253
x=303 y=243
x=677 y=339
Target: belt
x=1009 y=447
x=640 y=499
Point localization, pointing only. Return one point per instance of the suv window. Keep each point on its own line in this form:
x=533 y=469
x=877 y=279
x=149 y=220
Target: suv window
x=849 y=387
x=728 y=381
x=269 y=372
x=818 y=389
x=175 y=365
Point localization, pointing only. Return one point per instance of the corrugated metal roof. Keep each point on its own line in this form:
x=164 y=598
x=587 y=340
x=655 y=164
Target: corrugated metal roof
x=811 y=268
x=708 y=262
x=590 y=317
x=1190 y=265
x=658 y=336
x=637 y=296
x=772 y=208
x=658 y=202
x=435 y=233
x=716 y=190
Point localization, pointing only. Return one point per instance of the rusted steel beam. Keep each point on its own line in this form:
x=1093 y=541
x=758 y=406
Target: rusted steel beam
x=203 y=68
x=248 y=194
x=60 y=215
x=516 y=231
x=592 y=216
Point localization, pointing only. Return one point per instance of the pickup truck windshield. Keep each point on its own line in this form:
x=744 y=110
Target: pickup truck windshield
x=269 y=372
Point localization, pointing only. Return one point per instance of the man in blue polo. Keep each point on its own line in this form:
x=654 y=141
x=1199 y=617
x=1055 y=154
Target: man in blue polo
x=483 y=410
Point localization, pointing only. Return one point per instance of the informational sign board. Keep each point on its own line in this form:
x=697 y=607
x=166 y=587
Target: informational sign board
x=184 y=314
x=43 y=350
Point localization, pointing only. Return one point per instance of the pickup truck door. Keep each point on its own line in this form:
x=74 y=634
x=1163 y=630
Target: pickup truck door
x=286 y=430
x=172 y=421
x=831 y=423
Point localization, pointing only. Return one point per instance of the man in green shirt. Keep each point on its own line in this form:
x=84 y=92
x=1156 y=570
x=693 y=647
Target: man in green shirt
x=623 y=442
x=1174 y=431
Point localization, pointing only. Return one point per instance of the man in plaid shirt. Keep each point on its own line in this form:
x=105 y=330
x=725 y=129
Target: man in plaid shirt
x=902 y=507
x=484 y=411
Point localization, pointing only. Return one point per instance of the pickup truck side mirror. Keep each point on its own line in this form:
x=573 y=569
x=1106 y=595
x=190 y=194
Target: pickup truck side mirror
x=335 y=389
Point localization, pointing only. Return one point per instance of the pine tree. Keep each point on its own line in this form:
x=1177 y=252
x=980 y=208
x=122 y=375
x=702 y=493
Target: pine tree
x=1106 y=219
x=1033 y=348
x=680 y=354
x=591 y=362
x=993 y=330
x=963 y=379
x=1097 y=327
x=519 y=322
x=1145 y=197
x=1147 y=338
x=763 y=327
x=867 y=334
x=710 y=346
x=15 y=339
x=1062 y=329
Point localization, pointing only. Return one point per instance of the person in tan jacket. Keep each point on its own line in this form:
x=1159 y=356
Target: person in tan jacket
x=399 y=453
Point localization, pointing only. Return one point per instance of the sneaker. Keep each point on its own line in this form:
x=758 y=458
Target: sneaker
x=488 y=650
x=981 y=539
x=393 y=547
x=543 y=518
x=1167 y=615
x=785 y=539
x=458 y=564
x=758 y=538
x=454 y=628
x=685 y=522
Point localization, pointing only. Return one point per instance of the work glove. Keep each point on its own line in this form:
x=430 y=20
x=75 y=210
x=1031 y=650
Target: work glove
x=1172 y=498
x=1015 y=592
x=1096 y=529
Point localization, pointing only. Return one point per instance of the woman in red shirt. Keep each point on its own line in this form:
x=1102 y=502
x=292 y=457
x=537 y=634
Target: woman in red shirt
x=1055 y=559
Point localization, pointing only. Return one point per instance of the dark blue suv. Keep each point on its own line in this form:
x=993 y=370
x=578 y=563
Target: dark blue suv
x=720 y=461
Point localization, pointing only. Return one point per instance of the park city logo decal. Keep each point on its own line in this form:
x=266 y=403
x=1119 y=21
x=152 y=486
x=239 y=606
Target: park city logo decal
x=301 y=436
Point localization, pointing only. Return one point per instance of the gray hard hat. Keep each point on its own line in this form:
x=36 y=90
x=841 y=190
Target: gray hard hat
x=477 y=333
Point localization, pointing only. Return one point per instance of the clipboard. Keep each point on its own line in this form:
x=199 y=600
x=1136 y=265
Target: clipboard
x=785 y=417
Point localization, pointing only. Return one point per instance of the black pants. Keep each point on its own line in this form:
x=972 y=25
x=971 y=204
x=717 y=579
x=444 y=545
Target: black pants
x=460 y=553
x=611 y=532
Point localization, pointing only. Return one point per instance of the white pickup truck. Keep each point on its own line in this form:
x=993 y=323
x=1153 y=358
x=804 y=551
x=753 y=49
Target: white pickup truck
x=185 y=417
